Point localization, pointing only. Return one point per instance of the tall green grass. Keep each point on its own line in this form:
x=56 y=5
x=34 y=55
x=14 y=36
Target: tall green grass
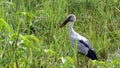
x=30 y=36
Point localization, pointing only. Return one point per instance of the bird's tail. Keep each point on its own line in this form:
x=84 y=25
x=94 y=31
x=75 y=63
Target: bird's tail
x=91 y=54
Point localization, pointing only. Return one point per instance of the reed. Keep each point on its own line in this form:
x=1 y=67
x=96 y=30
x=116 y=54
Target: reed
x=30 y=36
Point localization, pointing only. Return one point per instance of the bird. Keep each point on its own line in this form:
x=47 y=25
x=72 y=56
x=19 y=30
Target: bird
x=84 y=46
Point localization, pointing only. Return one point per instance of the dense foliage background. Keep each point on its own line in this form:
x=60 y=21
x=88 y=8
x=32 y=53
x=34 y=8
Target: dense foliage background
x=30 y=36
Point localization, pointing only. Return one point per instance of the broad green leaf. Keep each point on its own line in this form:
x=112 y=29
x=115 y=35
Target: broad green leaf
x=5 y=24
x=1 y=25
x=27 y=42
x=34 y=38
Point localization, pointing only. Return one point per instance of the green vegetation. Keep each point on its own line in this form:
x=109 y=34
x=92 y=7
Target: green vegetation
x=30 y=36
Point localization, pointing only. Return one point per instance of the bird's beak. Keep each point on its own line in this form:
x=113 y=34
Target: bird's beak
x=64 y=23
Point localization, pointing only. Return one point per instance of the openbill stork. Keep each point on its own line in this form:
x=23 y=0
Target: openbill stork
x=84 y=46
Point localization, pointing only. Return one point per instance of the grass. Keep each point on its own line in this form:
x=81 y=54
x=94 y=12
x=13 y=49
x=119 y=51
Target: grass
x=30 y=36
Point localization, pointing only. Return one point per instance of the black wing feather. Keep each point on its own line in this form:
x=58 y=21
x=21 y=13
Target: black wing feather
x=86 y=45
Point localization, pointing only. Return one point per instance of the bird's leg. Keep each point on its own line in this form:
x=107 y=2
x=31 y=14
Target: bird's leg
x=86 y=61
x=77 y=61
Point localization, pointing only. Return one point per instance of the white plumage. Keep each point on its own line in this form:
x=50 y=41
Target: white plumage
x=84 y=46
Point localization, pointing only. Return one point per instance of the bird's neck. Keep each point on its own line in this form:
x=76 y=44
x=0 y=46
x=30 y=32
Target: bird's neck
x=71 y=27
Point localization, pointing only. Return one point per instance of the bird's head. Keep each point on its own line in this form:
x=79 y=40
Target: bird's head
x=70 y=18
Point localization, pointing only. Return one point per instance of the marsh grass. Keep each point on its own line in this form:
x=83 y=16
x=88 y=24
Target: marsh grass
x=30 y=36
